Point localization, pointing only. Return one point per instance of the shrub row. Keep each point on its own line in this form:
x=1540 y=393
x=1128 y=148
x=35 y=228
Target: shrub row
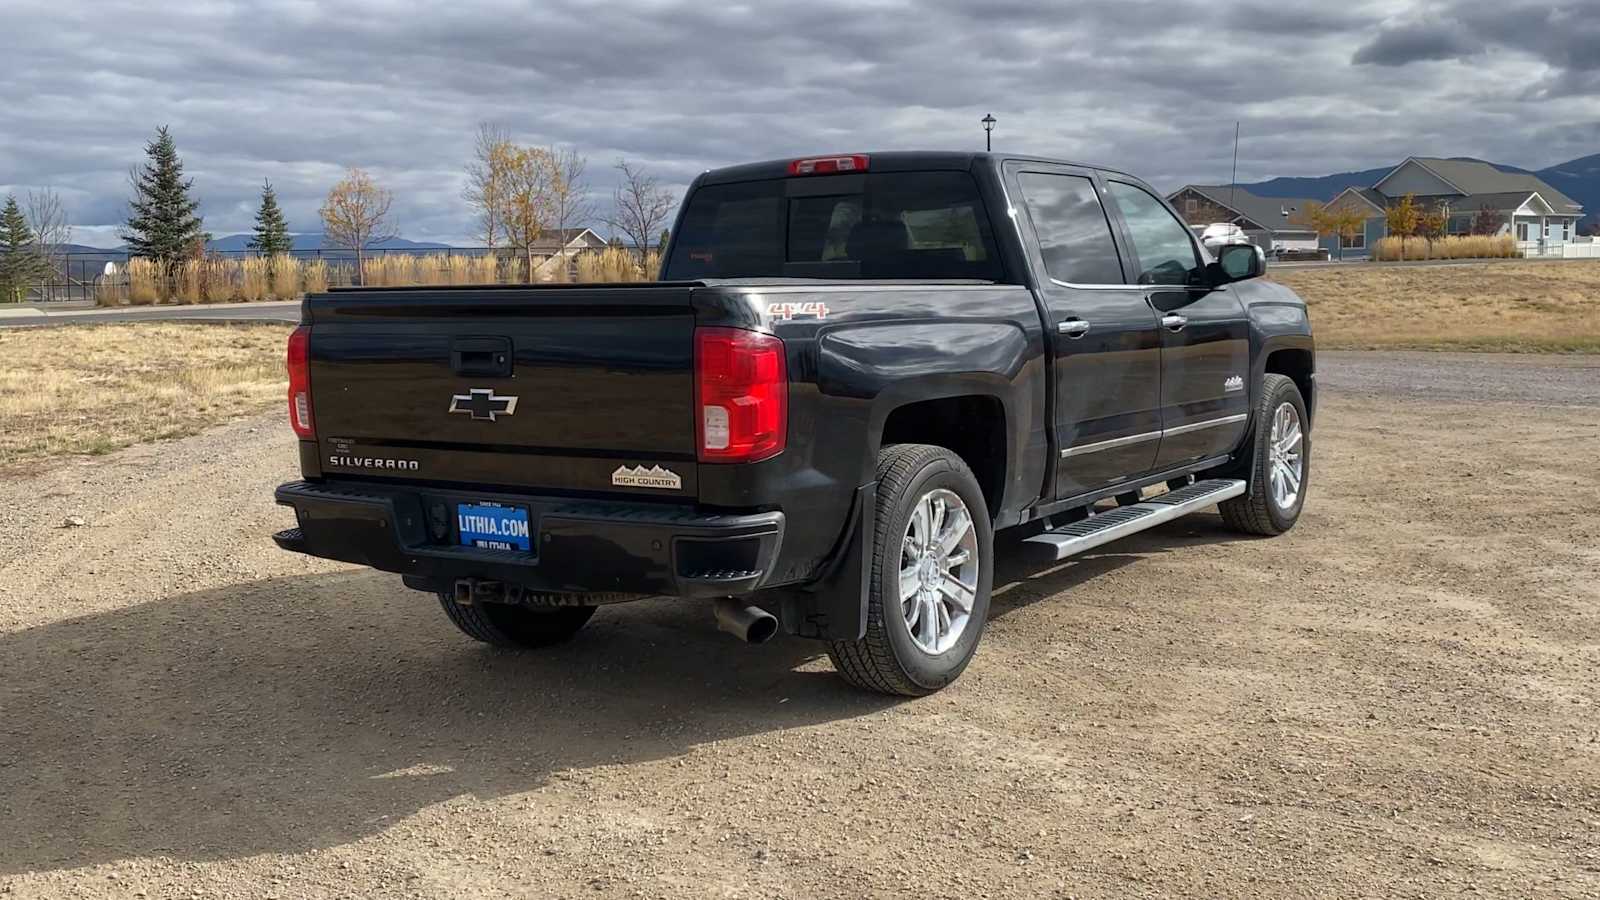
x=1473 y=246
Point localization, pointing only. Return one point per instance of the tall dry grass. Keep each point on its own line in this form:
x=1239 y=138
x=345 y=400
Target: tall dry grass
x=285 y=277
x=142 y=282
x=313 y=276
x=614 y=266
x=1467 y=246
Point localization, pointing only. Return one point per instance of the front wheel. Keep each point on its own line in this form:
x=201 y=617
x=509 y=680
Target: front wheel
x=932 y=567
x=1280 y=462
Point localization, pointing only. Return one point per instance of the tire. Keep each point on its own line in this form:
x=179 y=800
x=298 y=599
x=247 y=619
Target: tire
x=889 y=658
x=507 y=625
x=1263 y=509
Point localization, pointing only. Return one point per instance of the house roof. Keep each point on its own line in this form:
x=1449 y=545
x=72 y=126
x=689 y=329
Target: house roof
x=1499 y=200
x=1476 y=178
x=558 y=239
x=1371 y=196
x=1271 y=213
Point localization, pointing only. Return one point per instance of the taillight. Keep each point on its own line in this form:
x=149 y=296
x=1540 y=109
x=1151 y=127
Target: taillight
x=828 y=165
x=742 y=394
x=299 y=360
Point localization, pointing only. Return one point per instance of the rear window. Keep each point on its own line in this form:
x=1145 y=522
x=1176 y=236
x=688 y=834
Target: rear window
x=889 y=225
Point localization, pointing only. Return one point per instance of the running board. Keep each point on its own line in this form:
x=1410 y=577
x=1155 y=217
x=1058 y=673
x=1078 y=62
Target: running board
x=1103 y=528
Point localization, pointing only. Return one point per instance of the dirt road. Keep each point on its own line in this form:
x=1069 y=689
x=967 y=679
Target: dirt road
x=1396 y=699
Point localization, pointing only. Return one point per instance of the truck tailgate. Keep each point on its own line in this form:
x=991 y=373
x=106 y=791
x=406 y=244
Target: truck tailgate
x=554 y=386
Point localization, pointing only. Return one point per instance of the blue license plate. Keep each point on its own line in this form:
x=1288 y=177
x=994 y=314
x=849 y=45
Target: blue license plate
x=492 y=526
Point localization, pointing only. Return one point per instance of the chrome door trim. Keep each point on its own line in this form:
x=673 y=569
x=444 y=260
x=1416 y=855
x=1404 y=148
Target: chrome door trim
x=1112 y=444
x=1097 y=446
x=1209 y=423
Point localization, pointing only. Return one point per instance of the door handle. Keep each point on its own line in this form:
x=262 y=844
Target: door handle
x=1174 y=322
x=1073 y=328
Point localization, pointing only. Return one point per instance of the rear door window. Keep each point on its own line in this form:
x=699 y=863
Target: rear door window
x=883 y=225
x=1074 y=233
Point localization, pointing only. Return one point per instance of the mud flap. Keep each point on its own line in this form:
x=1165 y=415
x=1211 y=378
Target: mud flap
x=834 y=607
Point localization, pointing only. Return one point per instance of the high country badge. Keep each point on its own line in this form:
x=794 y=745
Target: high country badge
x=640 y=477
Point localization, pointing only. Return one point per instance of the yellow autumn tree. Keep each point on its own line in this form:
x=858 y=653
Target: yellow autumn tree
x=356 y=215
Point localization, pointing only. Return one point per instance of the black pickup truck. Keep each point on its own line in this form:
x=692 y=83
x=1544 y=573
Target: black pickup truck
x=854 y=372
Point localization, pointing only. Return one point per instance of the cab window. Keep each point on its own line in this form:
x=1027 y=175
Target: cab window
x=1162 y=244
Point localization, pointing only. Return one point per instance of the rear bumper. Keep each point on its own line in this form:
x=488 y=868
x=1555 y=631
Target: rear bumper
x=580 y=546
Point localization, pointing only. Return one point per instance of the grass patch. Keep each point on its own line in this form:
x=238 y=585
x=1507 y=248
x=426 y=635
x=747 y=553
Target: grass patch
x=92 y=389
x=1507 y=307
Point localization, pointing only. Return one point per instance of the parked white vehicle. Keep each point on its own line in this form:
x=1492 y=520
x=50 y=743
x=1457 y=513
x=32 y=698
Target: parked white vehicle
x=1218 y=234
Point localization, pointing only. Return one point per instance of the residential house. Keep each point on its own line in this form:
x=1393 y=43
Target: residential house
x=561 y=246
x=1543 y=220
x=1271 y=223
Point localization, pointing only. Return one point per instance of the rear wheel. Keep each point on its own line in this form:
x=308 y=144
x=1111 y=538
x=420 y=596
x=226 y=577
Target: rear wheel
x=1281 y=462
x=931 y=571
x=508 y=625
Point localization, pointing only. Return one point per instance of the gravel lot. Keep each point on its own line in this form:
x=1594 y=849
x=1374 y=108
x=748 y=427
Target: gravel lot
x=1396 y=699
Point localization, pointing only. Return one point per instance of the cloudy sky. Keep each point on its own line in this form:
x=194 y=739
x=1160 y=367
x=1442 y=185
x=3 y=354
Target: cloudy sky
x=296 y=91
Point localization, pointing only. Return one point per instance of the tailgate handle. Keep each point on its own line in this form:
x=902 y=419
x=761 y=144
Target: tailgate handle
x=488 y=357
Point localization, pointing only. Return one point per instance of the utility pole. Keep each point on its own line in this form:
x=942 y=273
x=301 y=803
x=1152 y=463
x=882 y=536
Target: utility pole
x=1233 y=181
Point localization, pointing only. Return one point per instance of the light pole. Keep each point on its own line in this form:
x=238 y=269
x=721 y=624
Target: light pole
x=988 y=130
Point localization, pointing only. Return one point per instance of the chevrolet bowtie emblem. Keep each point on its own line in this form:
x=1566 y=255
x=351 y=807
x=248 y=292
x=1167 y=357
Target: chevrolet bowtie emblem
x=483 y=403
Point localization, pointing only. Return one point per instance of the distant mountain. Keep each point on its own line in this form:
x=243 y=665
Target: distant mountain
x=86 y=250
x=1324 y=187
x=1578 y=179
x=315 y=242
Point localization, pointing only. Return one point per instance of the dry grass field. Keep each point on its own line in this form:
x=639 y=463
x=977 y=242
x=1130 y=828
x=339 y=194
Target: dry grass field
x=1497 y=306
x=96 y=388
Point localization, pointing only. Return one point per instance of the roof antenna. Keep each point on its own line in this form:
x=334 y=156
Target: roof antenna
x=1233 y=183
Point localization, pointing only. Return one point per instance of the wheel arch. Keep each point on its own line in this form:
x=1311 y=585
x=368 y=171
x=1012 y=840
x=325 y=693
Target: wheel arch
x=1299 y=364
x=973 y=425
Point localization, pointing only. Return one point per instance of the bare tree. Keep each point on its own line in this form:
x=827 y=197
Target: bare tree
x=47 y=217
x=570 y=205
x=486 y=181
x=640 y=206
x=356 y=216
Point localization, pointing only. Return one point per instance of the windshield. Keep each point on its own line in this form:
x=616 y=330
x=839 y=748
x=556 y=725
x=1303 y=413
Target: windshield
x=890 y=225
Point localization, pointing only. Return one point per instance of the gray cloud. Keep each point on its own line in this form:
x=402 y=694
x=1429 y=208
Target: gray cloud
x=1417 y=42
x=295 y=91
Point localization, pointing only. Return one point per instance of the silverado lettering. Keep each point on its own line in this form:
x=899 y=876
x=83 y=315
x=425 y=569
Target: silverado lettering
x=369 y=462
x=952 y=345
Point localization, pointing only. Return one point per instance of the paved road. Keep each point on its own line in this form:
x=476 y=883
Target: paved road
x=1539 y=379
x=275 y=311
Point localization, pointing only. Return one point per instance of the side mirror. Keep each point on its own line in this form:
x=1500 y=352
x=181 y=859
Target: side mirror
x=1236 y=262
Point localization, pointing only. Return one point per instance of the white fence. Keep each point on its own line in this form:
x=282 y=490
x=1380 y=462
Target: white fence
x=1560 y=250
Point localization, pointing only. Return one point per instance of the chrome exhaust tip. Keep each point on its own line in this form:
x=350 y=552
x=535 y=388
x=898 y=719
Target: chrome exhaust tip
x=748 y=623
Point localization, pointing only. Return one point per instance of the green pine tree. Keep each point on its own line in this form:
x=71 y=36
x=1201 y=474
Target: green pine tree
x=20 y=262
x=163 y=225
x=661 y=245
x=272 y=230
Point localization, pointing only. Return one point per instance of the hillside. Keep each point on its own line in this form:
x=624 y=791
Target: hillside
x=305 y=242
x=1580 y=180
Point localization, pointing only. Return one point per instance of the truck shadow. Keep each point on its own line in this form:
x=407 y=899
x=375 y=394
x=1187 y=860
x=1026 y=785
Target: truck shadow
x=306 y=712
x=300 y=713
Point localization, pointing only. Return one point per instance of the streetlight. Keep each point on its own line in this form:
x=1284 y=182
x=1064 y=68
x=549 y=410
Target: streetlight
x=988 y=129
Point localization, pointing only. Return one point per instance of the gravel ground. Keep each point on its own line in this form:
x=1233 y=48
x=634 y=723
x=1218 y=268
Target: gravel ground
x=1528 y=380
x=1395 y=699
